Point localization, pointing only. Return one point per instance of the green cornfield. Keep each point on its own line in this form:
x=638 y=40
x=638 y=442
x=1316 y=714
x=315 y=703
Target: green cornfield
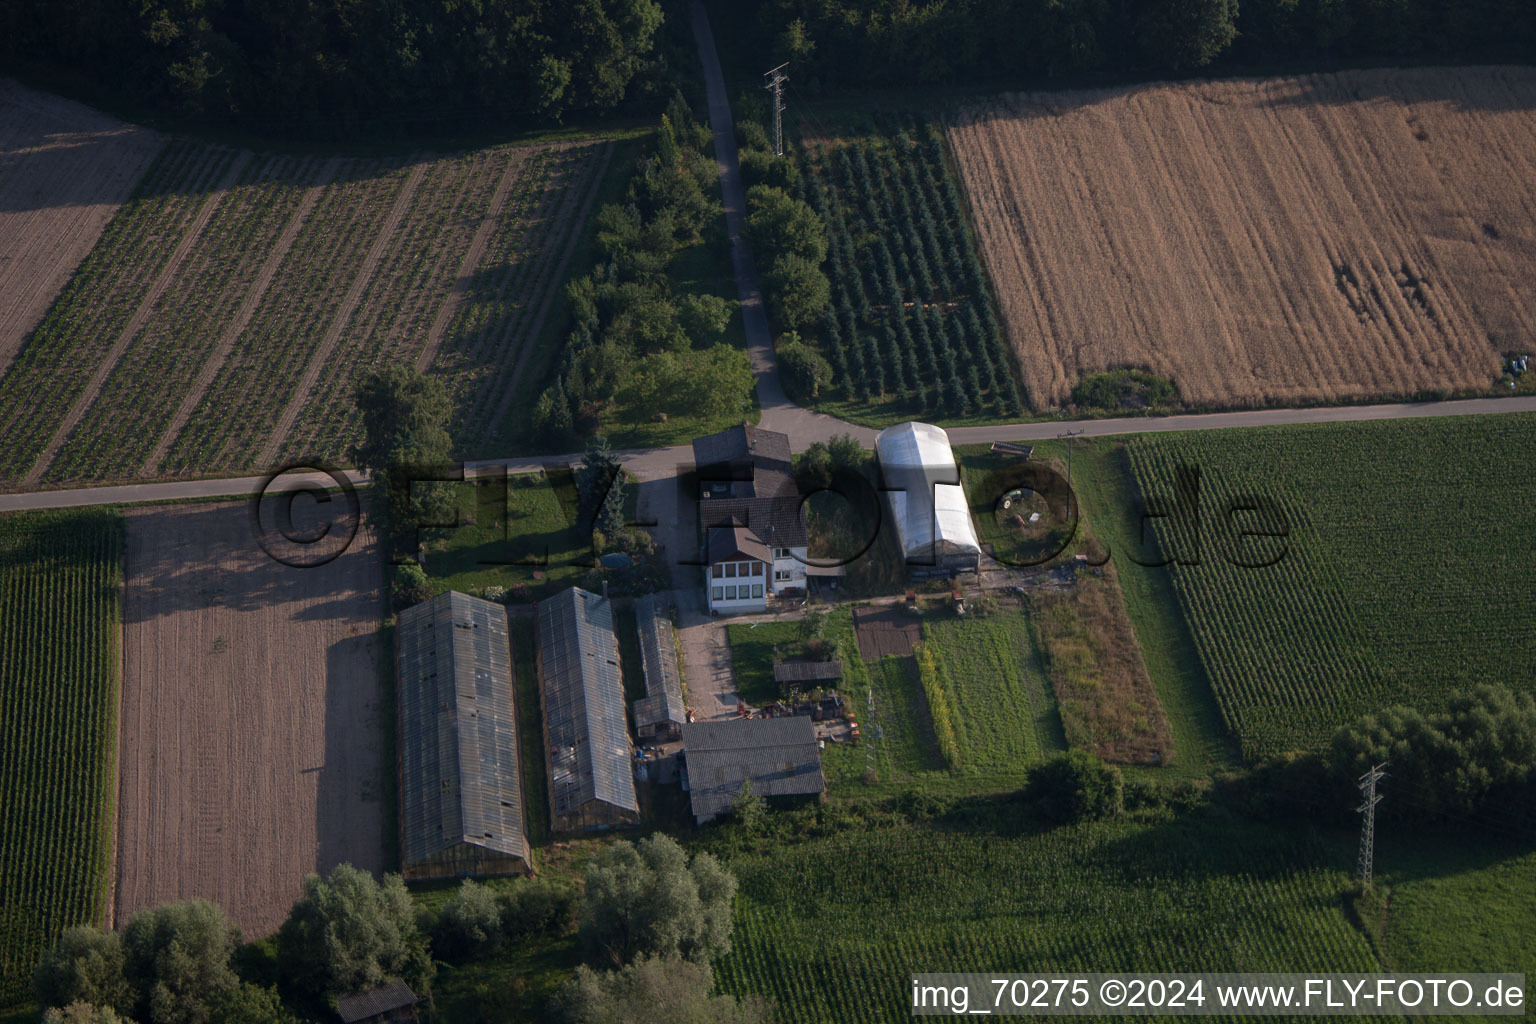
x=833 y=929
x=1409 y=571
x=59 y=621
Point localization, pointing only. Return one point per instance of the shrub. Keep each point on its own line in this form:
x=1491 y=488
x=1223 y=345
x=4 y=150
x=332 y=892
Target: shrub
x=1126 y=388
x=804 y=372
x=1076 y=786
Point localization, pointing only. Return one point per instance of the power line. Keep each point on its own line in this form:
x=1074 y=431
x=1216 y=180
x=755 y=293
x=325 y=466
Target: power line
x=776 y=79
x=1368 y=822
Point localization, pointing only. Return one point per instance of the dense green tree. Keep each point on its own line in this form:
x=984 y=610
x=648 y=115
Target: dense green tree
x=705 y=317
x=328 y=67
x=600 y=486
x=348 y=932
x=797 y=292
x=176 y=959
x=814 y=468
x=1449 y=765
x=779 y=225
x=649 y=898
x=846 y=452
x=84 y=966
x=469 y=925
x=1076 y=786
x=653 y=991
x=1182 y=34
x=804 y=372
x=83 y=1013
x=251 y=1004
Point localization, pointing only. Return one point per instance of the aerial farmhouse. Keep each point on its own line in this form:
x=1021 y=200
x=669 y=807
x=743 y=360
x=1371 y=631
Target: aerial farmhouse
x=586 y=738
x=749 y=507
x=461 y=808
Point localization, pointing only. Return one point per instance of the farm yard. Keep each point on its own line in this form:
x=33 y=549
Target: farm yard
x=232 y=306
x=1405 y=575
x=910 y=331
x=64 y=171
x=253 y=715
x=60 y=575
x=1322 y=238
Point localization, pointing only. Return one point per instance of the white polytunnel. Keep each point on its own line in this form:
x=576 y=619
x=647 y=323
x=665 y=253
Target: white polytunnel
x=928 y=506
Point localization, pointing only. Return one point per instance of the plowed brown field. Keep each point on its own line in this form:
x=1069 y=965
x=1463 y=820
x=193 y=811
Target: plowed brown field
x=253 y=722
x=1288 y=240
x=64 y=171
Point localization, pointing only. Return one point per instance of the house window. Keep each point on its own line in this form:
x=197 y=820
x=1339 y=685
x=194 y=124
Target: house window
x=716 y=593
x=757 y=568
x=757 y=590
x=730 y=571
x=781 y=552
x=730 y=593
x=780 y=575
x=718 y=570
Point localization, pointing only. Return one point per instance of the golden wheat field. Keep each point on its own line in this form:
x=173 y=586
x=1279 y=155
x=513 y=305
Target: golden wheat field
x=1263 y=241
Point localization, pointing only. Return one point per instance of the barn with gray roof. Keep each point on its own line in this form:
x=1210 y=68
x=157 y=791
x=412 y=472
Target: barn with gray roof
x=779 y=756
x=586 y=735
x=461 y=807
x=660 y=714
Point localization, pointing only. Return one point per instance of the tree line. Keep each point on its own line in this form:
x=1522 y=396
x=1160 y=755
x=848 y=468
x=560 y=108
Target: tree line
x=330 y=66
x=891 y=43
x=648 y=919
x=639 y=340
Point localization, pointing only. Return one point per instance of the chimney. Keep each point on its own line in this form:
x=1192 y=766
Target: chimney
x=605 y=590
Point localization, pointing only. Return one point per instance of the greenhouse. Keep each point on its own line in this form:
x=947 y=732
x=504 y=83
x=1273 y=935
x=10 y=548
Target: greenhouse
x=461 y=807
x=586 y=737
x=928 y=506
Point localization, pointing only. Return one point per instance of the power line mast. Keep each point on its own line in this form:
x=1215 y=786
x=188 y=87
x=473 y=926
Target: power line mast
x=1367 y=810
x=776 y=79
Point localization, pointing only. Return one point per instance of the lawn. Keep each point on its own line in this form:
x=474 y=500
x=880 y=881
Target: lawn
x=523 y=535
x=60 y=578
x=1405 y=575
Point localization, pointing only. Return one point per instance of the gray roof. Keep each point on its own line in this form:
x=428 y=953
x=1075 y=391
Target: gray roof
x=458 y=729
x=807 y=671
x=779 y=755
x=735 y=444
x=663 y=701
x=735 y=544
x=362 y=1005
x=584 y=703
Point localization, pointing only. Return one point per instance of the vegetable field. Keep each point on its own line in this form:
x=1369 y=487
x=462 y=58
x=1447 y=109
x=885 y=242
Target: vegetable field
x=59 y=614
x=1406 y=575
x=975 y=896
x=232 y=306
x=1004 y=712
x=910 y=330
x=1279 y=241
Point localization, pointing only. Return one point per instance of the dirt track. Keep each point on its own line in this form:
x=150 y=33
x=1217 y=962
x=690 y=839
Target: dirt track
x=64 y=171
x=1265 y=241
x=252 y=720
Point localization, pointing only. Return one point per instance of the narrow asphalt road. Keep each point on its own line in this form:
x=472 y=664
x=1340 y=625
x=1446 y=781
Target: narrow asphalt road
x=651 y=463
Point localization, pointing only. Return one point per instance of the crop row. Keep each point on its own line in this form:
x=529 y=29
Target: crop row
x=1006 y=714
x=1405 y=561
x=57 y=359
x=910 y=315
x=242 y=405
x=394 y=312
x=495 y=325
x=833 y=929
x=139 y=399
x=59 y=576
